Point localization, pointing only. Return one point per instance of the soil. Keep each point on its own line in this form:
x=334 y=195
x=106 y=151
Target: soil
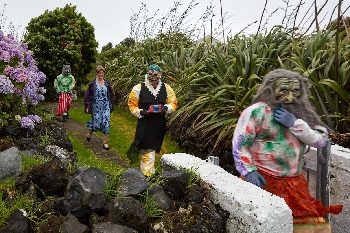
x=80 y=131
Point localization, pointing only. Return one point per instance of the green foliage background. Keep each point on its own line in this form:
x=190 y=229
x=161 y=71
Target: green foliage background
x=61 y=37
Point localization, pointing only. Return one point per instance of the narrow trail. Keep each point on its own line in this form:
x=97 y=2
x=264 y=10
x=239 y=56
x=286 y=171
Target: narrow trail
x=79 y=131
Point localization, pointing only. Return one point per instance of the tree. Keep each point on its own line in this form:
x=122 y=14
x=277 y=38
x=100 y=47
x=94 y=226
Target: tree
x=107 y=47
x=62 y=37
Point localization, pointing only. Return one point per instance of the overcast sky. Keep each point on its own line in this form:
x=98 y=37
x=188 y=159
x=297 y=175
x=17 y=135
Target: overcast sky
x=111 y=18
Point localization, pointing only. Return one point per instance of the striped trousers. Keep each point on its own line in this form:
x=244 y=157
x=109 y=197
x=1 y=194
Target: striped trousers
x=64 y=103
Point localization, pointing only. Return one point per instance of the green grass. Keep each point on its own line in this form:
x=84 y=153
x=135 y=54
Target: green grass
x=87 y=158
x=123 y=126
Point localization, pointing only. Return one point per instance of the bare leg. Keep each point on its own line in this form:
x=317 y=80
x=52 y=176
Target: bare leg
x=88 y=136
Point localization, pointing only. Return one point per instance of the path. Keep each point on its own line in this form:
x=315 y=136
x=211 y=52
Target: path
x=80 y=131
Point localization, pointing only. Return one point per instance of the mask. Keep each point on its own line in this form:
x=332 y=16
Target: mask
x=287 y=90
x=66 y=70
x=153 y=77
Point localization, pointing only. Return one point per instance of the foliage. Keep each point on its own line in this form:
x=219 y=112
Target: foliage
x=62 y=37
x=151 y=207
x=20 y=81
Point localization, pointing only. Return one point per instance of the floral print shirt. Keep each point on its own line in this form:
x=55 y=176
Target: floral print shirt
x=261 y=143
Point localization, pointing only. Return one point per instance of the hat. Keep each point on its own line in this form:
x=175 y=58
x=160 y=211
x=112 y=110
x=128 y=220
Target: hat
x=155 y=68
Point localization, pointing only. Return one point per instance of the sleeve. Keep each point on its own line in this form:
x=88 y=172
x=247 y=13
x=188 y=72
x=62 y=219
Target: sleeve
x=243 y=138
x=133 y=101
x=56 y=82
x=72 y=85
x=88 y=96
x=315 y=137
x=171 y=99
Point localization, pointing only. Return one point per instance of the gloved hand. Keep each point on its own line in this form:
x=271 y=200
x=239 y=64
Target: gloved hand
x=255 y=178
x=58 y=91
x=69 y=90
x=143 y=112
x=284 y=117
x=164 y=109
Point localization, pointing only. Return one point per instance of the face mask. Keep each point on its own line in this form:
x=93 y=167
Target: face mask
x=153 y=77
x=287 y=89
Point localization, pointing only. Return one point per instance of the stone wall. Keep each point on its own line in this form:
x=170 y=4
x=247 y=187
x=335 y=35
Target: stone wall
x=250 y=208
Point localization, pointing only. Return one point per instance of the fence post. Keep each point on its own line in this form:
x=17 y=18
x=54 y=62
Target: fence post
x=322 y=183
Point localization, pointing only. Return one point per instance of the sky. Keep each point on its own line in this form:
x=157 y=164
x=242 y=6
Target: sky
x=111 y=18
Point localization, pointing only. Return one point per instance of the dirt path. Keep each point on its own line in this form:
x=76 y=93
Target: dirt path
x=80 y=131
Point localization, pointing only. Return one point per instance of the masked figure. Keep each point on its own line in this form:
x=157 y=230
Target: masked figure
x=270 y=139
x=64 y=83
x=150 y=101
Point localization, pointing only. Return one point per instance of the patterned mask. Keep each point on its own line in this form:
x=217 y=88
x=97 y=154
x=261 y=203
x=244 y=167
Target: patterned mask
x=66 y=70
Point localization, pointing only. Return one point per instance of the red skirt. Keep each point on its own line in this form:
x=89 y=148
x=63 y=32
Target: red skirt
x=295 y=192
x=64 y=103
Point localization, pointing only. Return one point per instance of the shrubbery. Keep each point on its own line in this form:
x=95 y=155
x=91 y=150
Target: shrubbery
x=20 y=83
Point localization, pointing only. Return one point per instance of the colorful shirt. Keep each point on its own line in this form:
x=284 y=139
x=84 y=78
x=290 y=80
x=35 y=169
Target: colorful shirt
x=261 y=143
x=64 y=83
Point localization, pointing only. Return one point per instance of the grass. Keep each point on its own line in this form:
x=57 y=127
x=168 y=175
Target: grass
x=123 y=126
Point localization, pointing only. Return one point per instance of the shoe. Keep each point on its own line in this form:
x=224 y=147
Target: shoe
x=105 y=146
x=88 y=139
x=64 y=119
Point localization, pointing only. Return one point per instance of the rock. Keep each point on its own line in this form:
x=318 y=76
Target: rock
x=17 y=223
x=107 y=227
x=10 y=163
x=85 y=192
x=129 y=212
x=133 y=182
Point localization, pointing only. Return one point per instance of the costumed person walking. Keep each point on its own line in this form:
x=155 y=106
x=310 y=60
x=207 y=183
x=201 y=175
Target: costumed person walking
x=98 y=101
x=269 y=143
x=64 y=84
x=150 y=101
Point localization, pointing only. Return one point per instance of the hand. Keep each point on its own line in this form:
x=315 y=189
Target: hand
x=143 y=112
x=69 y=90
x=58 y=91
x=284 y=117
x=164 y=109
x=255 y=178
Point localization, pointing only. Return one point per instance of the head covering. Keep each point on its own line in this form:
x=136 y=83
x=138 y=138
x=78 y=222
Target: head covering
x=66 y=70
x=155 y=68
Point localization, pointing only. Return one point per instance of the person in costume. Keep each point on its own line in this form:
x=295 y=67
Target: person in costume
x=270 y=139
x=98 y=101
x=64 y=84
x=150 y=101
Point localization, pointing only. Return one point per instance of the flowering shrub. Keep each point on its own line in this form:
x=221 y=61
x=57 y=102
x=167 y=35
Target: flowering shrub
x=20 y=81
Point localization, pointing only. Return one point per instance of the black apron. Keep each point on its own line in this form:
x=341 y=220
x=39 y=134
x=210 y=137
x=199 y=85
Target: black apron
x=150 y=130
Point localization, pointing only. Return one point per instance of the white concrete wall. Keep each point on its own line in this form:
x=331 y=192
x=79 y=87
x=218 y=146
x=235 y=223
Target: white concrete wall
x=250 y=208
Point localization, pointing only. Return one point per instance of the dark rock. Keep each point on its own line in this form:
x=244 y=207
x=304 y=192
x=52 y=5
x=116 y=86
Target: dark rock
x=133 y=182
x=51 y=177
x=107 y=227
x=161 y=200
x=175 y=183
x=17 y=223
x=196 y=194
x=128 y=212
x=198 y=218
x=71 y=224
x=85 y=192
x=52 y=225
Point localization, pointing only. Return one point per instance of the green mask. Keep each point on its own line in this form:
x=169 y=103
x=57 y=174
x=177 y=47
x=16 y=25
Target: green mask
x=287 y=89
